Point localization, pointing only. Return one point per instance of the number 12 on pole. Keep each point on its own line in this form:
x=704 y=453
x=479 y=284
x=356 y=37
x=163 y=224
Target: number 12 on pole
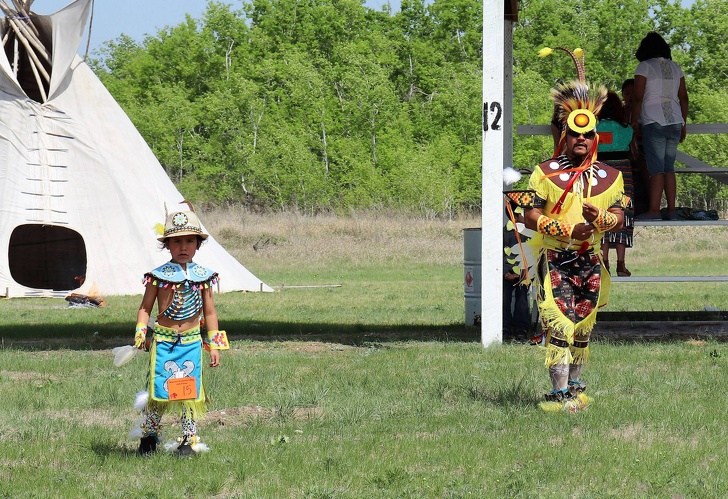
x=492 y=114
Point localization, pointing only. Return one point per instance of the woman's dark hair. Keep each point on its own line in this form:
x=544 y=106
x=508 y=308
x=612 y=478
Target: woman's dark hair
x=626 y=83
x=612 y=109
x=651 y=46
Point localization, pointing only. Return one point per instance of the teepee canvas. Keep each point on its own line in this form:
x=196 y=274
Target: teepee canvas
x=81 y=193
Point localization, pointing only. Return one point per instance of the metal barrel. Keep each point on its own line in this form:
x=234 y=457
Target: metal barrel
x=472 y=275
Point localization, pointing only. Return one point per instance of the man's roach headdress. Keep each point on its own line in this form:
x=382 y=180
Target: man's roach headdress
x=576 y=103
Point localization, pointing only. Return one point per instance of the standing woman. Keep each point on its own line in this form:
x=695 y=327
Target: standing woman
x=660 y=107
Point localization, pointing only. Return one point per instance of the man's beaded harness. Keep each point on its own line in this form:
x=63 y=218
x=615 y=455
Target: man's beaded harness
x=187 y=285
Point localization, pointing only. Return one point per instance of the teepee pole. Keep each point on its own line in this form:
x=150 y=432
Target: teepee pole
x=7 y=34
x=19 y=6
x=16 y=56
x=35 y=41
x=33 y=58
x=27 y=38
x=21 y=29
x=24 y=10
x=90 y=25
x=38 y=80
x=19 y=19
x=20 y=11
x=32 y=55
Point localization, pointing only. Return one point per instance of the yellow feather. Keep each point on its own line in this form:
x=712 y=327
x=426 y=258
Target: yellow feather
x=545 y=52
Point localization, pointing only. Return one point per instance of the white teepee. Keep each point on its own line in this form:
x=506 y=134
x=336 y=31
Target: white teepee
x=80 y=190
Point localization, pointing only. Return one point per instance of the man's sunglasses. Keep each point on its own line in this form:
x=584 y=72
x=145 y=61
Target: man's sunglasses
x=588 y=135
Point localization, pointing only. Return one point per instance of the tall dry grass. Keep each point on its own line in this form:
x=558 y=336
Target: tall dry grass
x=282 y=240
x=679 y=250
x=288 y=240
x=292 y=248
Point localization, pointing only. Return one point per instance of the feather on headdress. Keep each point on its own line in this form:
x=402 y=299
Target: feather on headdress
x=577 y=56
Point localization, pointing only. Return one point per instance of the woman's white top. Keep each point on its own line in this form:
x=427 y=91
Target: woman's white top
x=660 y=103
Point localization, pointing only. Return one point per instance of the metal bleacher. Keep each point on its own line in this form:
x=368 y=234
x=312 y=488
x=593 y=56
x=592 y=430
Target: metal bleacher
x=694 y=165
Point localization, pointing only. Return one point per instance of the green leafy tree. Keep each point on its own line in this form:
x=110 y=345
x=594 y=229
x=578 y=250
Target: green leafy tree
x=322 y=105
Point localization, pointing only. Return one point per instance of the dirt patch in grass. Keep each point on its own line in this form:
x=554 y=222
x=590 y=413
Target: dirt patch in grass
x=697 y=343
x=628 y=433
x=38 y=378
x=238 y=416
x=232 y=417
x=296 y=346
x=92 y=417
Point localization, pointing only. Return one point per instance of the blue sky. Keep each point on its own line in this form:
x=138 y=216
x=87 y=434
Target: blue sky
x=138 y=18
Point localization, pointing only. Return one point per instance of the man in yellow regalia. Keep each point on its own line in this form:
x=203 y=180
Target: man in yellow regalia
x=576 y=199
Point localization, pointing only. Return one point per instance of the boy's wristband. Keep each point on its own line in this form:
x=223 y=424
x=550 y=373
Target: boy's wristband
x=217 y=340
x=140 y=334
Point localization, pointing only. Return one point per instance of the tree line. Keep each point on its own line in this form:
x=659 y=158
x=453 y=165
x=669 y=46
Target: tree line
x=327 y=105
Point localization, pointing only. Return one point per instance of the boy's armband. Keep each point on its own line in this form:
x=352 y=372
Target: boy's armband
x=605 y=221
x=140 y=335
x=550 y=227
x=217 y=340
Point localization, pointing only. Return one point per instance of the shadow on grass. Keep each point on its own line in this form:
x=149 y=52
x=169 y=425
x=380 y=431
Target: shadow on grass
x=505 y=395
x=108 y=335
x=104 y=450
x=85 y=336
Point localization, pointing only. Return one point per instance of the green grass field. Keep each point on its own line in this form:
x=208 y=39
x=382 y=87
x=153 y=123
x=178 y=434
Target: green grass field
x=372 y=388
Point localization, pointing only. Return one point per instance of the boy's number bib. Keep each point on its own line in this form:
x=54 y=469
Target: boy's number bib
x=182 y=388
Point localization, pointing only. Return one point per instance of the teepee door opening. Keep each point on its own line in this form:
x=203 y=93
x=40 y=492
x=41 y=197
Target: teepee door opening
x=47 y=257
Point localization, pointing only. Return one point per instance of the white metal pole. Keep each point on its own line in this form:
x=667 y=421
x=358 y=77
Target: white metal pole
x=507 y=95
x=491 y=317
